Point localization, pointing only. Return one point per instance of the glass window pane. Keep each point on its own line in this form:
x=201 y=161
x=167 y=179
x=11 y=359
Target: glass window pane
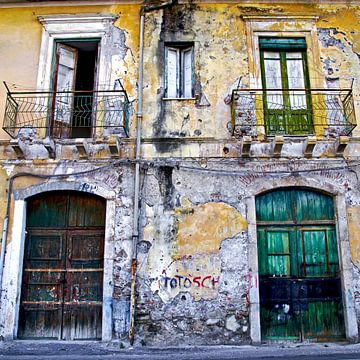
x=187 y=73
x=294 y=55
x=172 y=72
x=296 y=81
x=273 y=81
x=271 y=55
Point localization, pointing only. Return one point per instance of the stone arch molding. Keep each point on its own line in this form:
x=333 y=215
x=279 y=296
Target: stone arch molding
x=320 y=184
x=11 y=291
x=80 y=186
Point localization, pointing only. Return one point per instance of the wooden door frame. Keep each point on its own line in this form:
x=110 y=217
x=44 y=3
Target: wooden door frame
x=348 y=298
x=12 y=282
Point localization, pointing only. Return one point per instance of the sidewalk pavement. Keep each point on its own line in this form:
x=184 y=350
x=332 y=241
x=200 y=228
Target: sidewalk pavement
x=19 y=349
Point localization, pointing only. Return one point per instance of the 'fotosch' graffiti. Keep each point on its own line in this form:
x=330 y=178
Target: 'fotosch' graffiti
x=186 y=282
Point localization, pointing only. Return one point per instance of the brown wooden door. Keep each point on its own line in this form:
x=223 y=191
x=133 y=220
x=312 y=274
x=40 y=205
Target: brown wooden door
x=63 y=267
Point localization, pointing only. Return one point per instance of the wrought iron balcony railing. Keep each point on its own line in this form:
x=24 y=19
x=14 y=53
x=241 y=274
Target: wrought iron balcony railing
x=67 y=114
x=329 y=112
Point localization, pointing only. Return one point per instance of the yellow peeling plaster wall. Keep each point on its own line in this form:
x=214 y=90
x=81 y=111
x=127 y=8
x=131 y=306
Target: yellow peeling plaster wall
x=20 y=40
x=221 y=59
x=192 y=261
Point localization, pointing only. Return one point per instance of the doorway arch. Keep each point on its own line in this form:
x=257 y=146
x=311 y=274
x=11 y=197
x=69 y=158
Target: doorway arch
x=62 y=292
x=299 y=272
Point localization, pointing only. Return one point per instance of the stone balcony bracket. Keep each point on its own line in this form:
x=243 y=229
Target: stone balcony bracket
x=15 y=144
x=82 y=148
x=49 y=145
x=340 y=145
x=277 y=145
x=114 y=147
x=309 y=145
x=245 y=146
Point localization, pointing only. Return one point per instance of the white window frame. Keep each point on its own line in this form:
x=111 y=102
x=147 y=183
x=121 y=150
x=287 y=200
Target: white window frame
x=79 y=26
x=181 y=91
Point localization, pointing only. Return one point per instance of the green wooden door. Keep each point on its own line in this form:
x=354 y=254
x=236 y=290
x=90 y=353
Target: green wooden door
x=287 y=103
x=300 y=288
x=63 y=267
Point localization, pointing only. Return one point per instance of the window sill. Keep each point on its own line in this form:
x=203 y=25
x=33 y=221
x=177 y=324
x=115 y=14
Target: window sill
x=179 y=99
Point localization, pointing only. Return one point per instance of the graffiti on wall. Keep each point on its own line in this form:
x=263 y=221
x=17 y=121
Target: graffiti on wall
x=188 y=281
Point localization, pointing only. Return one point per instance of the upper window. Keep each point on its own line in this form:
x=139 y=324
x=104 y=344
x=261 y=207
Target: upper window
x=179 y=72
x=287 y=104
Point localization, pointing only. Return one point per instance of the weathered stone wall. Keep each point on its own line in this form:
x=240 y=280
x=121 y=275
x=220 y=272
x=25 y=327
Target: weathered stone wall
x=196 y=268
x=110 y=180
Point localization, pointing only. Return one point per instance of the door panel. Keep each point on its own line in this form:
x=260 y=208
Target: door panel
x=64 y=86
x=43 y=280
x=315 y=252
x=83 y=300
x=49 y=212
x=86 y=212
x=63 y=269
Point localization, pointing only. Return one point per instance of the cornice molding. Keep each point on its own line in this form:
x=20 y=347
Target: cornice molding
x=72 y=3
x=273 y=2
x=75 y=18
x=280 y=17
x=67 y=3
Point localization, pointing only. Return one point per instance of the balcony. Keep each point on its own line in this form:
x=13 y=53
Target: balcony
x=67 y=114
x=324 y=112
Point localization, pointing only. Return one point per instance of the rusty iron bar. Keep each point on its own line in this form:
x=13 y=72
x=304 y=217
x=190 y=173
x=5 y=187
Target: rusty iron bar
x=91 y=303
x=133 y=303
x=65 y=270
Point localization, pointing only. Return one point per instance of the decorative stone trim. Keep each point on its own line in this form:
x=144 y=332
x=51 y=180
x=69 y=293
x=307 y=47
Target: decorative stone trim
x=74 y=27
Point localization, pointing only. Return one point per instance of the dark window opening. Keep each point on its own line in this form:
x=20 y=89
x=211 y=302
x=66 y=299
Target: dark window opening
x=74 y=79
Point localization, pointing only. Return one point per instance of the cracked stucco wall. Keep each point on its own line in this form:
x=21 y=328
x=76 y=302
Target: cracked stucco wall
x=20 y=38
x=221 y=60
x=196 y=270
x=195 y=265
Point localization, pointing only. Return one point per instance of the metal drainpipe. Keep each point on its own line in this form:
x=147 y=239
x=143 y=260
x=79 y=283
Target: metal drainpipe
x=139 y=116
x=5 y=232
x=3 y=246
x=135 y=235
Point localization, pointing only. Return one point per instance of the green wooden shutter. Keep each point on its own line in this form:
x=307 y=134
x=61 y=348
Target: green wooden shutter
x=282 y=43
x=300 y=287
x=287 y=101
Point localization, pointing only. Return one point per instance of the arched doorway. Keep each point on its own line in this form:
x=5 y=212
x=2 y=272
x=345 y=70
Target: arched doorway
x=61 y=294
x=300 y=286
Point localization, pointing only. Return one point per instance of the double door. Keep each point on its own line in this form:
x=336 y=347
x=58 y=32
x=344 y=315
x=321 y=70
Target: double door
x=300 y=284
x=63 y=268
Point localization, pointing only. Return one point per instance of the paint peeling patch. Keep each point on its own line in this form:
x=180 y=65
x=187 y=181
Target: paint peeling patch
x=328 y=38
x=202 y=231
x=354 y=234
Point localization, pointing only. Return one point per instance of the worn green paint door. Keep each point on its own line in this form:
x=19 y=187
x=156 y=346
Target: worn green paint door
x=287 y=101
x=300 y=288
x=63 y=267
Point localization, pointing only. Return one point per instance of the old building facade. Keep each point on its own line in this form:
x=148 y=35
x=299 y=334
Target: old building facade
x=180 y=172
